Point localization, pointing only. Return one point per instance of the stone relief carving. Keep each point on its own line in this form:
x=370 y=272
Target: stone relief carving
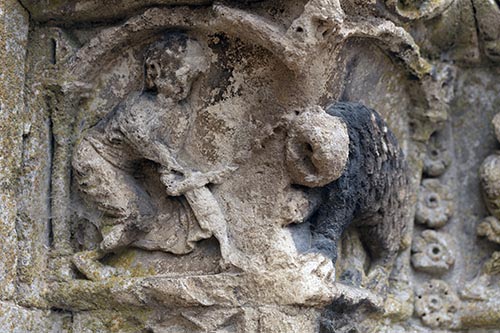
x=432 y=252
x=145 y=184
x=434 y=206
x=438 y=158
x=151 y=126
x=479 y=288
x=376 y=172
x=240 y=166
x=437 y=305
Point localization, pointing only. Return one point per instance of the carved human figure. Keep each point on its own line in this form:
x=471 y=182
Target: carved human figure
x=147 y=126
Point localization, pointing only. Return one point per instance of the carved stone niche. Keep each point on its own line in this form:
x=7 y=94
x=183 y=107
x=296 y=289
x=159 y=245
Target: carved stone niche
x=205 y=176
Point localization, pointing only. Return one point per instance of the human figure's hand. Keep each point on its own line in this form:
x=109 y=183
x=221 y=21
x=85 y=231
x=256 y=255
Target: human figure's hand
x=178 y=184
x=165 y=157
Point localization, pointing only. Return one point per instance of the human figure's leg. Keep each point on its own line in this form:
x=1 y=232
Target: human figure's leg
x=126 y=206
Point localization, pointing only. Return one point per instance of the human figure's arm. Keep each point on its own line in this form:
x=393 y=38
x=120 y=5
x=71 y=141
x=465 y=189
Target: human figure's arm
x=138 y=122
x=160 y=153
x=177 y=185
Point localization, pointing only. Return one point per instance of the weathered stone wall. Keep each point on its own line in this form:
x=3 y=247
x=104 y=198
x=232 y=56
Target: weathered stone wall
x=184 y=166
x=14 y=26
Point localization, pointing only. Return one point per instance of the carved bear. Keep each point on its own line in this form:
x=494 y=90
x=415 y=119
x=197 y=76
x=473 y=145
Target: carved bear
x=370 y=193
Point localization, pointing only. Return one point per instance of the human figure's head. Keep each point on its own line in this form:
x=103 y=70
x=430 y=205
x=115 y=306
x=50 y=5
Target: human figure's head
x=173 y=64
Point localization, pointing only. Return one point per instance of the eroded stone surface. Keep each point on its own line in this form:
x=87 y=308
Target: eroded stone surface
x=432 y=252
x=16 y=319
x=438 y=157
x=14 y=31
x=435 y=205
x=437 y=305
x=232 y=166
